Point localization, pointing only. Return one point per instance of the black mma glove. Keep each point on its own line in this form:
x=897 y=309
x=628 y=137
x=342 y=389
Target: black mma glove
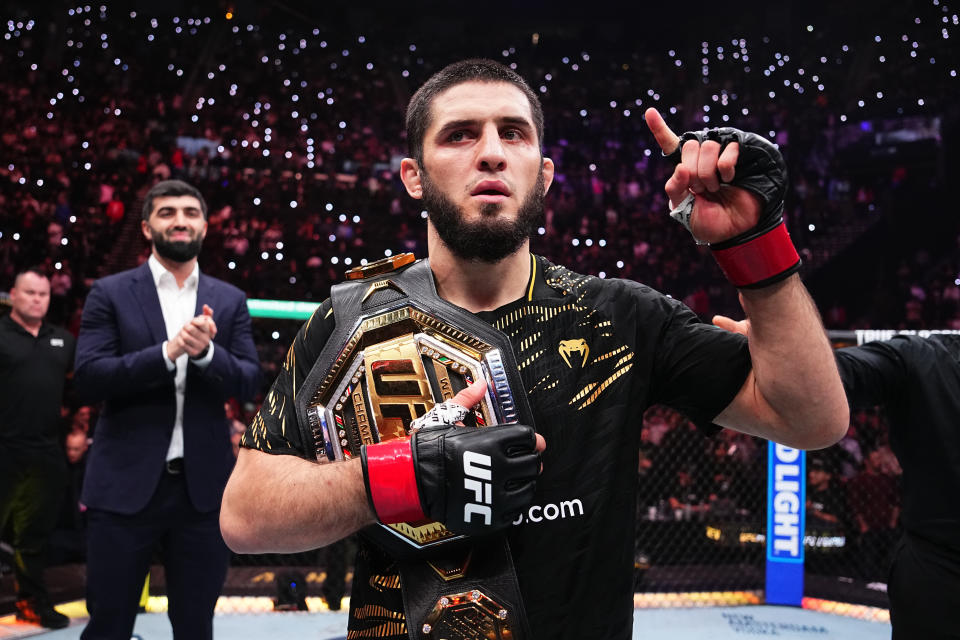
x=765 y=254
x=472 y=480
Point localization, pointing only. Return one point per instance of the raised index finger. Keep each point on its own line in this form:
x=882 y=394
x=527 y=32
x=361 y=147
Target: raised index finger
x=666 y=138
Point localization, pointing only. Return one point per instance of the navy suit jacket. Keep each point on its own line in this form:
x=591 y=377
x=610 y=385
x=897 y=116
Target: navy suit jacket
x=120 y=362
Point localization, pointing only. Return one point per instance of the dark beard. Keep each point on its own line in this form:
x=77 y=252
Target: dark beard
x=490 y=239
x=177 y=250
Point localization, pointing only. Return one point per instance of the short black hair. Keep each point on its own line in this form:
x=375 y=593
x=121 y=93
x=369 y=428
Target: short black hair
x=474 y=69
x=37 y=271
x=171 y=188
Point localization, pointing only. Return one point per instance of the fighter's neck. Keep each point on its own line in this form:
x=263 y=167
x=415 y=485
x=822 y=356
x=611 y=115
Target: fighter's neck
x=480 y=286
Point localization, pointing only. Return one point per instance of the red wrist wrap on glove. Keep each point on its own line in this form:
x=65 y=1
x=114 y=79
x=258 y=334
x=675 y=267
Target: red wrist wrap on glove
x=759 y=260
x=392 y=483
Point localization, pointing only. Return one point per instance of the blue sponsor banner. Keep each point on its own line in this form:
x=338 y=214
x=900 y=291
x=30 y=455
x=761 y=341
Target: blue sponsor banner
x=786 y=504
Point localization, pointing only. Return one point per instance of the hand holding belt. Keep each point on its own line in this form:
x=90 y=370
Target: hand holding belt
x=460 y=589
x=474 y=481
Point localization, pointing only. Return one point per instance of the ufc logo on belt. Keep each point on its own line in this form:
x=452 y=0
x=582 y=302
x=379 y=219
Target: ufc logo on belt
x=476 y=469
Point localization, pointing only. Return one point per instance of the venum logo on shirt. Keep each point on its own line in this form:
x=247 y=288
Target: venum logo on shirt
x=569 y=347
x=56 y=342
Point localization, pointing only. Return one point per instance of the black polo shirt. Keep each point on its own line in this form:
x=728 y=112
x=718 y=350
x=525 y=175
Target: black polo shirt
x=33 y=371
x=917 y=381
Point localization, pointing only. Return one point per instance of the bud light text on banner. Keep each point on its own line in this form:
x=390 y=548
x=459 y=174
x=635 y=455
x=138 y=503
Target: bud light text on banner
x=786 y=503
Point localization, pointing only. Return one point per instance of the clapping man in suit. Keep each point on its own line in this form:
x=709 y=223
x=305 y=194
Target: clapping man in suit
x=162 y=346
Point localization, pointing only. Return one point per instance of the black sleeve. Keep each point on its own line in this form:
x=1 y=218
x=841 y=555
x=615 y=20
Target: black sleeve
x=71 y=344
x=876 y=372
x=698 y=368
x=274 y=429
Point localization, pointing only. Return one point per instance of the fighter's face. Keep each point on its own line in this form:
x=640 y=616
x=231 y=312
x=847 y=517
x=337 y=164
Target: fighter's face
x=483 y=178
x=30 y=297
x=176 y=227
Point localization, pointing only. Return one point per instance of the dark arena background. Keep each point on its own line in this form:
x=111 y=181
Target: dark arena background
x=289 y=119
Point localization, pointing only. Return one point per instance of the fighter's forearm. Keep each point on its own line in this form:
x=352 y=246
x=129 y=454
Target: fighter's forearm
x=284 y=504
x=794 y=392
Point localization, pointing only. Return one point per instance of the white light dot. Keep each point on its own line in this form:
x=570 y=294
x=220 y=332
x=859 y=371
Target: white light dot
x=279 y=256
x=332 y=238
x=280 y=244
x=387 y=252
x=293 y=204
x=575 y=242
x=264 y=255
x=64 y=241
x=812 y=227
x=275 y=335
x=231 y=265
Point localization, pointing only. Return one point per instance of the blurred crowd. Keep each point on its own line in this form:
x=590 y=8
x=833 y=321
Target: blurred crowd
x=293 y=131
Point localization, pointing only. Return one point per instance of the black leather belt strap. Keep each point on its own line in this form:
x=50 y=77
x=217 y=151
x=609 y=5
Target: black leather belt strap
x=470 y=593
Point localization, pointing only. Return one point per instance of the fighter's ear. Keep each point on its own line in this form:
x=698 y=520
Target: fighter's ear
x=547 y=169
x=410 y=175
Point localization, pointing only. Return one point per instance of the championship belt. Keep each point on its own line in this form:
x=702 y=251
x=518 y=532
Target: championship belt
x=397 y=350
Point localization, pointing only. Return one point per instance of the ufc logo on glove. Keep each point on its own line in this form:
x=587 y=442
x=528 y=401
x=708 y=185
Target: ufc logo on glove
x=476 y=467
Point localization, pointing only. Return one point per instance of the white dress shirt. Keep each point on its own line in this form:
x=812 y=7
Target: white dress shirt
x=179 y=305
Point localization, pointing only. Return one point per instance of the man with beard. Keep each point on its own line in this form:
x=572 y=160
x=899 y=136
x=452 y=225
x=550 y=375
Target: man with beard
x=592 y=354
x=163 y=346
